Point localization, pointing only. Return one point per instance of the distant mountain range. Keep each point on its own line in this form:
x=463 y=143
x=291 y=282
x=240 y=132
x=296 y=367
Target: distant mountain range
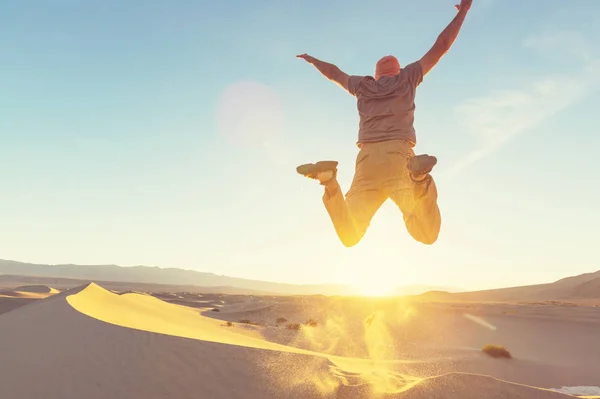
x=148 y=278
x=583 y=286
x=185 y=280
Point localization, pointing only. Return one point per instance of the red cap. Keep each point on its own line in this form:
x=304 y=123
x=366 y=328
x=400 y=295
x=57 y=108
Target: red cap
x=387 y=66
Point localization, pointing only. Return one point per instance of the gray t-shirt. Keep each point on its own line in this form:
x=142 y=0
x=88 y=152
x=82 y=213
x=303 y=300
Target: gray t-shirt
x=386 y=106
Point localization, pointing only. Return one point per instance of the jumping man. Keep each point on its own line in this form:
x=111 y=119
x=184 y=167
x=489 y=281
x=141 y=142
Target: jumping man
x=386 y=165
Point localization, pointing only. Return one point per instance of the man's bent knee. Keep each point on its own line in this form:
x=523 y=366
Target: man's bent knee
x=428 y=239
x=425 y=236
x=349 y=242
x=349 y=237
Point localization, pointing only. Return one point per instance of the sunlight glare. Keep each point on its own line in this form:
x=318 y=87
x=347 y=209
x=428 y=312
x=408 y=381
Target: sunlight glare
x=376 y=288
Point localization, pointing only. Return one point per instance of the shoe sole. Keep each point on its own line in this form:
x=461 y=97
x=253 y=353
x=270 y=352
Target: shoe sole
x=424 y=164
x=311 y=169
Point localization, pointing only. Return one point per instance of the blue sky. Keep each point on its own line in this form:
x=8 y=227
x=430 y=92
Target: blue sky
x=168 y=134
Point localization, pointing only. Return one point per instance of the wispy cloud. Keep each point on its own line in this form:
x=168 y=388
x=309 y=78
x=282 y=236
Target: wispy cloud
x=500 y=116
x=571 y=43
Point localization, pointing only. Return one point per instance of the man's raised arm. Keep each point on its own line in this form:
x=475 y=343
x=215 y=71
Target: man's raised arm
x=445 y=39
x=330 y=71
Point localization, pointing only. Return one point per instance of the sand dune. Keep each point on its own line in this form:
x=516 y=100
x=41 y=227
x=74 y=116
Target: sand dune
x=21 y=294
x=245 y=307
x=574 y=288
x=11 y=299
x=10 y=303
x=89 y=342
x=29 y=291
x=38 y=289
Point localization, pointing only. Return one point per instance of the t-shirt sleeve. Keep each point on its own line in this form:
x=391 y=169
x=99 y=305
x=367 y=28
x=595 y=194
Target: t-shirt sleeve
x=354 y=83
x=414 y=73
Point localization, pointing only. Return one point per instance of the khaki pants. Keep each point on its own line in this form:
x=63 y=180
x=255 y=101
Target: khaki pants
x=381 y=173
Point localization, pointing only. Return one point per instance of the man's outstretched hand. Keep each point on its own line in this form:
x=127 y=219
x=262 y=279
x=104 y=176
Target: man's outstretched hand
x=306 y=58
x=464 y=5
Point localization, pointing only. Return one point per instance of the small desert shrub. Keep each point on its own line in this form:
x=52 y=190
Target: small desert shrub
x=281 y=320
x=245 y=321
x=293 y=326
x=497 y=351
x=229 y=324
x=216 y=310
x=311 y=323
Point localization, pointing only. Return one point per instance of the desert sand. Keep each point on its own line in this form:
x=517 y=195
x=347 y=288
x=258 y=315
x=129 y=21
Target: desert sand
x=93 y=343
x=15 y=297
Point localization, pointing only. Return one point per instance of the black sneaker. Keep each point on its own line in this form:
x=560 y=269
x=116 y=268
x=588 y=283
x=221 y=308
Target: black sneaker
x=421 y=164
x=311 y=170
